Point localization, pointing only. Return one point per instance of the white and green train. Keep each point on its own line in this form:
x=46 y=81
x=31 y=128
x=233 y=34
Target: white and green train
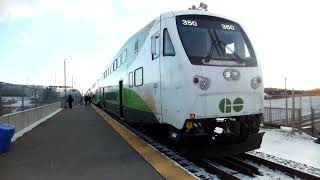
x=195 y=73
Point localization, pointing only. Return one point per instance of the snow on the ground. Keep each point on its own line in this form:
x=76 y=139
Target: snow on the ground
x=295 y=146
x=266 y=174
x=289 y=163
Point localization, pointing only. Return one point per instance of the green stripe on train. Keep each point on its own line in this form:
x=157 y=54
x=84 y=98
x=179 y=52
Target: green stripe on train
x=131 y=100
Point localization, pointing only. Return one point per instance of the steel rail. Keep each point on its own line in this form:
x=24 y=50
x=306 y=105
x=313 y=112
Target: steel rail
x=276 y=166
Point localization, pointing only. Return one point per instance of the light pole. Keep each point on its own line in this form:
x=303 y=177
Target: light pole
x=285 y=87
x=65 y=82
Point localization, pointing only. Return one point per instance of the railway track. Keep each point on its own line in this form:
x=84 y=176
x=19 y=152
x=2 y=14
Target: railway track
x=243 y=166
x=278 y=167
x=246 y=166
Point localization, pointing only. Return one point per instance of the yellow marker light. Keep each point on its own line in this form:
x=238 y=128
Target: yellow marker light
x=189 y=124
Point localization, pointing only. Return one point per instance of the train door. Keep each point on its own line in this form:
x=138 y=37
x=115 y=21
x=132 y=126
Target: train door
x=171 y=86
x=121 y=98
x=103 y=98
x=155 y=69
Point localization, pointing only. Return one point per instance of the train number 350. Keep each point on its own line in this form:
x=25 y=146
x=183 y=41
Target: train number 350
x=189 y=23
x=227 y=27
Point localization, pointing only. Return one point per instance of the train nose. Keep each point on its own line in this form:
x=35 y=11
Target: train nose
x=227 y=91
x=233 y=104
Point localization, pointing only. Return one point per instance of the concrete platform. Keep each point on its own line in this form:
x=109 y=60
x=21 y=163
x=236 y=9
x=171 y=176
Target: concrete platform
x=74 y=144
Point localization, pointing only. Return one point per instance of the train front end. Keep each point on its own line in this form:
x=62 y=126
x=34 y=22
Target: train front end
x=225 y=89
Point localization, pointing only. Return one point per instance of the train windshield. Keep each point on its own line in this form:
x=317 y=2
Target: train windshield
x=214 y=41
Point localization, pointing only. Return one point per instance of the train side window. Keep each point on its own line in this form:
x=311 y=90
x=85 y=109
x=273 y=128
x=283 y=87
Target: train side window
x=118 y=62
x=114 y=66
x=124 y=56
x=155 y=44
x=130 y=79
x=136 y=47
x=168 y=49
x=120 y=59
x=138 y=77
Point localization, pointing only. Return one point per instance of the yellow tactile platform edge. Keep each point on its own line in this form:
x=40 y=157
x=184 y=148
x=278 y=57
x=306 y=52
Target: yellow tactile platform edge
x=161 y=163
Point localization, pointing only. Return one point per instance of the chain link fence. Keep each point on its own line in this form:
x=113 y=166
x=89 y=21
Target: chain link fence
x=14 y=98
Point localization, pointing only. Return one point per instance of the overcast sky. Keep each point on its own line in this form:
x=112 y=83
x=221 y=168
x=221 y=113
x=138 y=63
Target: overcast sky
x=36 y=36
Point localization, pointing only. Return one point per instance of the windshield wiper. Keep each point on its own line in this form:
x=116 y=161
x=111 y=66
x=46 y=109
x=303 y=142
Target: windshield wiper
x=213 y=44
x=237 y=57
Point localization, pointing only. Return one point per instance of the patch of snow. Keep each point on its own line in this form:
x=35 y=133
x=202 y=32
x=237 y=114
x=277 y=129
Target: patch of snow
x=284 y=128
x=288 y=163
x=29 y=128
x=294 y=146
x=267 y=173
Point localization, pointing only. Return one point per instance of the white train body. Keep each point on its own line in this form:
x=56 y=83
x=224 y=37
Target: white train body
x=206 y=71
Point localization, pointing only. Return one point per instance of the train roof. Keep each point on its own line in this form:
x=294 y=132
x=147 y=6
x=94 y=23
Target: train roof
x=192 y=12
x=168 y=15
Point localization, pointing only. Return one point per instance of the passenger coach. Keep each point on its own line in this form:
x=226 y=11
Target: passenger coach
x=193 y=72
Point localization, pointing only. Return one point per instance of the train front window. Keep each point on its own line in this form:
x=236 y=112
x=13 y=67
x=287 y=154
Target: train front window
x=214 y=41
x=196 y=41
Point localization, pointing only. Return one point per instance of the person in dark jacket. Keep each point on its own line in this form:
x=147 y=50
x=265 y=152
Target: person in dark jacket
x=70 y=101
x=89 y=99
x=85 y=100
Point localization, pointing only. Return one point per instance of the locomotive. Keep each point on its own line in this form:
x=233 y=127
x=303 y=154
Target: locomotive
x=195 y=73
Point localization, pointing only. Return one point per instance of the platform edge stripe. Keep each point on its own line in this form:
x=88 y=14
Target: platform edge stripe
x=161 y=163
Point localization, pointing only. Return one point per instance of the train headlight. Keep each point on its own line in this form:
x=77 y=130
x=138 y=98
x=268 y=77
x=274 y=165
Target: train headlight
x=256 y=82
x=204 y=84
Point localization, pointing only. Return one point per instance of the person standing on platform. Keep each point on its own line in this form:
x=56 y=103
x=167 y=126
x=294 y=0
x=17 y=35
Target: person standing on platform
x=70 y=101
x=89 y=99
x=85 y=100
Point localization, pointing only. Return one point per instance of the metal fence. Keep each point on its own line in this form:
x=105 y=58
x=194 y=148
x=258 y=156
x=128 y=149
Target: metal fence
x=293 y=118
x=314 y=121
x=282 y=116
x=14 y=98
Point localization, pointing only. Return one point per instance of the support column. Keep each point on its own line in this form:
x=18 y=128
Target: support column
x=293 y=115
x=312 y=122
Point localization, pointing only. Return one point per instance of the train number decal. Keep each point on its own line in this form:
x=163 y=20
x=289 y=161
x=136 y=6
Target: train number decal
x=189 y=23
x=227 y=27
